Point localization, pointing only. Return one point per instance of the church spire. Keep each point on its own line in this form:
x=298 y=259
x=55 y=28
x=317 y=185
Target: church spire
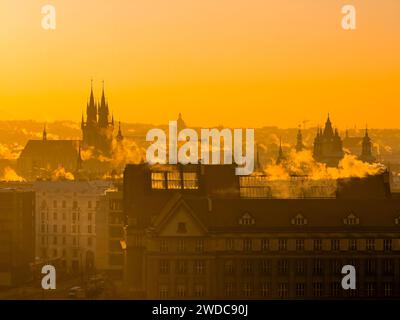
x=299 y=143
x=44 y=133
x=280 y=157
x=120 y=137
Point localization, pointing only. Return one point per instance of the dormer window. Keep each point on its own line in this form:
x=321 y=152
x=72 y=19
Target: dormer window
x=247 y=220
x=299 y=220
x=181 y=227
x=351 y=219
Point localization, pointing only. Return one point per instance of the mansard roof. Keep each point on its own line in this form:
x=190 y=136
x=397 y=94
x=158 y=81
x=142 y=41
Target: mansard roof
x=276 y=215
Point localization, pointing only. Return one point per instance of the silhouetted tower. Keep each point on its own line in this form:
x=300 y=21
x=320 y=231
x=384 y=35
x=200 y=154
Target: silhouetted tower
x=180 y=123
x=299 y=143
x=366 y=152
x=120 y=137
x=281 y=156
x=328 y=146
x=258 y=161
x=44 y=133
x=79 y=160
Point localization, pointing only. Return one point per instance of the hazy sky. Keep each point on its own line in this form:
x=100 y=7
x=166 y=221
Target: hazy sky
x=230 y=62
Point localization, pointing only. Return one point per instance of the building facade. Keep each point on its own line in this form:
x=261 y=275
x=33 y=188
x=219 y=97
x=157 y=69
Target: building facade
x=191 y=235
x=65 y=222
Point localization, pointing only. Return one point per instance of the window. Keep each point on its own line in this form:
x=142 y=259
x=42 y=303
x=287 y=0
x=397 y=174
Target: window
x=55 y=228
x=299 y=220
x=228 y=266
x=353 y=244
x=317 y=270
x=64 y=240
x=181 y=267
x=299 y=244
x=248 y=267
x=317 y=244
x=43 y=215
x=163 y=292
x=282 y=266
x=387 y=266
x=89 y=204
x=55 y=204
x=181 y=227
x=90 y=241
x=387 y=289
x=247 y=244
x=174 y=180
x=89 y=228
x=229 y=289
x=247 y=289
x=371 y=289
x=190 y=180
x=370 y=244
x=283 y=290
x=282 y=244
x=181 y=245
x=74 y=205
x=265 y=266
x=300 y=289
x=335 y=244
x=54 y=240
x=264 y=244
x=74 y=216
x=158 y=180
x=181 y=291
x=164 y=246
x=370 y=266
x=351 y=219
x=55 y=215
x=230 y=244
x=64 y=216
x=199 y=245
x=300 y=267
x=199 y=290
x=164 y=267
x=387 y=244
x=199 y=267
x=64 y=228
x=247 y=220
x=265 y=289
x=89 y=217
x=317 y=289
x=64 y=204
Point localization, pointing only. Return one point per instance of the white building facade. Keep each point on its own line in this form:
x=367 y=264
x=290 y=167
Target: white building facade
x=66 y=222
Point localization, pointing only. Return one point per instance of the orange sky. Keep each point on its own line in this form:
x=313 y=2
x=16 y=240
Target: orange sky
x=236 y=63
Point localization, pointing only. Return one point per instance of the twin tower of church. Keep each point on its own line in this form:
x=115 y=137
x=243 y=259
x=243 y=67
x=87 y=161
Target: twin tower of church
x=98 y=129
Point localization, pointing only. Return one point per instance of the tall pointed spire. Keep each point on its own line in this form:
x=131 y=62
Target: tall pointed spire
x=299 y=143
x=280 y=157
x=120 y=137
x=44 y=133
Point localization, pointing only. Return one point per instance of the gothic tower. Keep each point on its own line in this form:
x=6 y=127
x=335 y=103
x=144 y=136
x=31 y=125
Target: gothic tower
x=299 y=142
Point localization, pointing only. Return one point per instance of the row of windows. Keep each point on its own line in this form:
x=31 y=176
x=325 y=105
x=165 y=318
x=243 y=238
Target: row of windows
x=182 y=266
x=63 y=204
x=265 y=289
x=74 y=229
x=58 y=253
x=248 y=245
x=317 y=266
x=300 y=289
x=63 y=240
x=174 y=180
x=76 y=216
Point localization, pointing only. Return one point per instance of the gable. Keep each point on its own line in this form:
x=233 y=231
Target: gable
x=181 y=223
